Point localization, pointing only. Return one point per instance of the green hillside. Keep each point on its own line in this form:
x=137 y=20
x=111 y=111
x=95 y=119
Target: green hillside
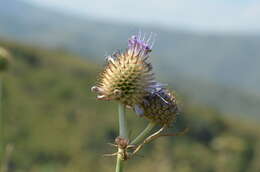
x=55 y=123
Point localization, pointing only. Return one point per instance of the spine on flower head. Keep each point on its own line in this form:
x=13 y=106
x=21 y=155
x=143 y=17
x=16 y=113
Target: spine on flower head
x=159 y=107
x=127 y=76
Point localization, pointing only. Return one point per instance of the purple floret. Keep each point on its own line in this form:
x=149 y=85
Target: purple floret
x=138 y=45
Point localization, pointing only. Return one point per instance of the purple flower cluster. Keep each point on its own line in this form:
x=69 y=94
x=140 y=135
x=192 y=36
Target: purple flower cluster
x=140 y=46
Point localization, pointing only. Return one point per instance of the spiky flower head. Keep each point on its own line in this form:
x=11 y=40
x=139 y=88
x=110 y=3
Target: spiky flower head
x=4 y=59
x=127 y=76
x=159 y=107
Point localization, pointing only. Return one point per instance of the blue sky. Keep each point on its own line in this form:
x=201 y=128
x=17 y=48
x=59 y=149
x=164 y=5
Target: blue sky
x=205 y=15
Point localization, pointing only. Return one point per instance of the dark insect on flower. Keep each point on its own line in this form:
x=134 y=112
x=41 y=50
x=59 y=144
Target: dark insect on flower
x=128 y=76
x=159 y=107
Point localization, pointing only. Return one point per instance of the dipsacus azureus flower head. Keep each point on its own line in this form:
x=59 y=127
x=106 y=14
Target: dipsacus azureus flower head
x=127 y=76
x=159 y=107
x=4 y=59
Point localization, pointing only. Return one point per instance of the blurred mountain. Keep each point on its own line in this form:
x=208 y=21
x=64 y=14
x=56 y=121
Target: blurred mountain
x=54 y=123
x=221 y=67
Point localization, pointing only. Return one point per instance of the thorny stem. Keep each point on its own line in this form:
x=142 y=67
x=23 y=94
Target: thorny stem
x=156 y=135
x=122 y=133
x=144 y=133
x=149 y=139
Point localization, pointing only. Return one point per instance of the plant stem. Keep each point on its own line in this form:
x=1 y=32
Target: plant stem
x=119 y=164
x=144 y=133
x=122 y=121
x=122 y=133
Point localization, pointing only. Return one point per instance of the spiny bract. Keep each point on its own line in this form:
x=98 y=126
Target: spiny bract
x=159 y=107
x=127 y=76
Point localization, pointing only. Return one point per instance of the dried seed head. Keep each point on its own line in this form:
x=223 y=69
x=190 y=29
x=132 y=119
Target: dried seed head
x=4 y=59
x=159 y=107
x=127 y=76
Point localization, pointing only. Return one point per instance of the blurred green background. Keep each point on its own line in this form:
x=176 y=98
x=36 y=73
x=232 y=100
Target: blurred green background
x=52 y=122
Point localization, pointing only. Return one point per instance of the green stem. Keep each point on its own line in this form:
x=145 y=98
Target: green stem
x=119 y=164
x=122 y=121
x=144 y=133
x=122 y=133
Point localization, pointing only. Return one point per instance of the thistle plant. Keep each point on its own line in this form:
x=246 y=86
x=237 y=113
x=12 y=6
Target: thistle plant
x=128 y=79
